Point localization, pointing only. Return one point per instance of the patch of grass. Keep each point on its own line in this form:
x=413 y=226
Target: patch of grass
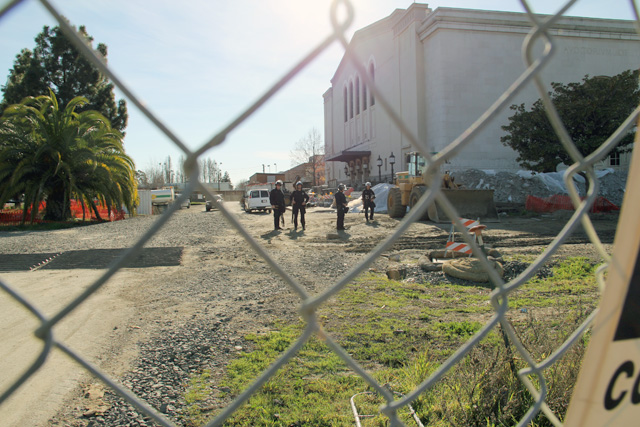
x=197 y=392
x=310 y=390
x=401 y=333
x=572 y=283
x=573 y=269
x=462 y=330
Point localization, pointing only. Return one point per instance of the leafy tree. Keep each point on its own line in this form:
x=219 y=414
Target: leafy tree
x=54 y=154
x=310 y=152
x=591 y=111
x=55 y=64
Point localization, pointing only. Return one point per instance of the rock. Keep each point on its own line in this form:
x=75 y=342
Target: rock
x=394 y=257
x=396 y=273
x=333 y=236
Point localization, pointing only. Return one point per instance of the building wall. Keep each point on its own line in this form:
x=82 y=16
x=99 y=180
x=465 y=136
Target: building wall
x=362 y=131
x=441 y=70
x=473 y=57
x=299 y=171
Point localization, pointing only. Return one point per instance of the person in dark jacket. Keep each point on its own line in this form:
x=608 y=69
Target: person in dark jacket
x=299 y=200
x=367 y=201
x=341 y=206
x=276 y=197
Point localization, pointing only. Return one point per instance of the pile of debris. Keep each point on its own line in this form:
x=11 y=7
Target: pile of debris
x=515 y=187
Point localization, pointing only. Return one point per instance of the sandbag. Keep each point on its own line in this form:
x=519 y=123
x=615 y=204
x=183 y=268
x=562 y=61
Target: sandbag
x=470 y=269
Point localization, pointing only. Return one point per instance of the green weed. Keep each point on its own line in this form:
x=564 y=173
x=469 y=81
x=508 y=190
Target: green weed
x=401 y=333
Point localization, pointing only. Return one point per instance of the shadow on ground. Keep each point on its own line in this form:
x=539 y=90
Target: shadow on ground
x=91 y=259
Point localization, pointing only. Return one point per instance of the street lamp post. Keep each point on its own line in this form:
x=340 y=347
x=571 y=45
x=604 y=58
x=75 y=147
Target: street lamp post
x=219 y=169
x=379 y=163
x=392 y=161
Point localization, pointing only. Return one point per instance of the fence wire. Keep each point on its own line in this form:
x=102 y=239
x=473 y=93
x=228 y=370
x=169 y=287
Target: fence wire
x=309 y=305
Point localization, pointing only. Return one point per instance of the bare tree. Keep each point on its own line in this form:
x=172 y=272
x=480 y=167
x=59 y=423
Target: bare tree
x=155 y=176
x=181 y=174
x=242 y=185
x=309 y=151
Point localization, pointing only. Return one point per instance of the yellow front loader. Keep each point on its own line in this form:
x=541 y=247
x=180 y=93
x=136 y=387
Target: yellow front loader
x=411 y=185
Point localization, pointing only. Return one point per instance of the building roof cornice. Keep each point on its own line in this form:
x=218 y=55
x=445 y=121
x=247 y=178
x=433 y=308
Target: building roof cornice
x=518 y=22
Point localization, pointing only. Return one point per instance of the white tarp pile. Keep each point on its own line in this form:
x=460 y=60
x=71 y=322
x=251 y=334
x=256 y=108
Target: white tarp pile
x=381 y=191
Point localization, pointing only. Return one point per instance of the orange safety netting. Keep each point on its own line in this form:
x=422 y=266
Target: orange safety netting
x=14 y=216
x=563 y=202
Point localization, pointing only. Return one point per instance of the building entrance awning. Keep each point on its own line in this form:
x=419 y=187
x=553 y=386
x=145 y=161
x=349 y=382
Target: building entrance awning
x=347 y=156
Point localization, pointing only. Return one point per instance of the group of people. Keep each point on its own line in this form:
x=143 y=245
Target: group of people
x=299 y=200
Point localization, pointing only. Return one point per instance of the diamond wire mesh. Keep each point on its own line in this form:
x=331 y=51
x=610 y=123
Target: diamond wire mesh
x=310 y=304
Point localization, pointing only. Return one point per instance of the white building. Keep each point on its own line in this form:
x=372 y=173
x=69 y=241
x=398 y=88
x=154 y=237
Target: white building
x=440 y=70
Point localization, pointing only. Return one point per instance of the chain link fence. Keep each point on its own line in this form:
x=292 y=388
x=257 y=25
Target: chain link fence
x=309 y=304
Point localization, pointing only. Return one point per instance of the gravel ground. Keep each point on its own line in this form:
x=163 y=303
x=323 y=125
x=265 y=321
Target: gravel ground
x=192 y=315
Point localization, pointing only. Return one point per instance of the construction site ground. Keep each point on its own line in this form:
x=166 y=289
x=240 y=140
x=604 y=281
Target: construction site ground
x=198 y=287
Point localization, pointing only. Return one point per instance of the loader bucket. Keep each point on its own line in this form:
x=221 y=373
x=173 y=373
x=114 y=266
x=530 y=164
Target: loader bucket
x=468 y=203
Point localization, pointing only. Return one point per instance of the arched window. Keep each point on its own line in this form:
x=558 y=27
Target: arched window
x=357 y=95
x=345 y=104
x=372 y=72
x=364 y=97
x=351 y=100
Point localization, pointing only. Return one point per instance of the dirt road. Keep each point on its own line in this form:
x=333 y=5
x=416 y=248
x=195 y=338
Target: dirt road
x=195 y=278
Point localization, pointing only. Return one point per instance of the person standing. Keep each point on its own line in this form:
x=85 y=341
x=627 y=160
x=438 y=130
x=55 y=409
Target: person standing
x=276 y=197
x=299 y=200
x=341 y=206
x=367 y=201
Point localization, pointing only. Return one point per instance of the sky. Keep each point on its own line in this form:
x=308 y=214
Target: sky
x=199 y=64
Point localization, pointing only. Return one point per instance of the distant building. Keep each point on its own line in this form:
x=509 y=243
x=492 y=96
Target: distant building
x=298 y=173
x=440 y=71
x=305 y=172
x=265 y=178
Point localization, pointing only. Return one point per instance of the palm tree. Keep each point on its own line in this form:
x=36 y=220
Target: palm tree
x=51 y=154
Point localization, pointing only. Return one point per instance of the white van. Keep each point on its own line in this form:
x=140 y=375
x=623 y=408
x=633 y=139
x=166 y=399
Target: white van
x=257 y=199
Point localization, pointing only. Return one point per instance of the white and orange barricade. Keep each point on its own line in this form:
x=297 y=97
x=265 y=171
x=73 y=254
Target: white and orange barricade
x=474 y=227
